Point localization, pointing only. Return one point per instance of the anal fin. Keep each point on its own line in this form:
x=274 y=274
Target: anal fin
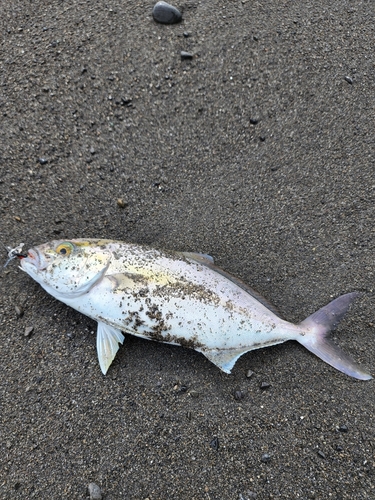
x=225 y=359
x=107 y=344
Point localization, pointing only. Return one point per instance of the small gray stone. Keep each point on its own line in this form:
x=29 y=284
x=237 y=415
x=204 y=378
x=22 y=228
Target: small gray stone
x=249 y=495
x=265 y=458
x=19 y=311
x=28 y=331
x=249 y=373
x=165 y=13
x=94 y=491
x=349 y=80
x=264 y=386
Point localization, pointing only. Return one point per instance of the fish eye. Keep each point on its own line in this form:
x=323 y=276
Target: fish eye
x=65 y=248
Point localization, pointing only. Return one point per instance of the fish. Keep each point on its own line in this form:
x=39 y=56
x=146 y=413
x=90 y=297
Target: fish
x=179 y=298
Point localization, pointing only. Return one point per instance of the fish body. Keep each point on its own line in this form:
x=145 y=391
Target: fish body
x=177 y=298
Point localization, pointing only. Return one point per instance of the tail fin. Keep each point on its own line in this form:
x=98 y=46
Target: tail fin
x=320 y=324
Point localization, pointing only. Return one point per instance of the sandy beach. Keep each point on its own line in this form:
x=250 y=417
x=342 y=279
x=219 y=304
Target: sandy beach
x=259 y=151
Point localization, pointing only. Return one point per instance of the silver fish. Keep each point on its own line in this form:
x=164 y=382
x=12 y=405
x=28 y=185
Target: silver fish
x=177 y=298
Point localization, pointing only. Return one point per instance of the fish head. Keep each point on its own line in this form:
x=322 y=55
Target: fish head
x=67 y=269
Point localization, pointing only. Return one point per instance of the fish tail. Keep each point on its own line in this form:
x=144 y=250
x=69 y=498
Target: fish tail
x=316 y=338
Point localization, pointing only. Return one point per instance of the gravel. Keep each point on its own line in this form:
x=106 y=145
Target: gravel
x=292 y=215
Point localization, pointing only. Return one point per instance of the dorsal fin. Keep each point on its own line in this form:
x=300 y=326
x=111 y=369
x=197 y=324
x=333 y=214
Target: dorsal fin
x=208 y=261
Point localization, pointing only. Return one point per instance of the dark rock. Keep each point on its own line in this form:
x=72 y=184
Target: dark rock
x=343 y=428
x=265 y=458
x=186 y=55
x=254 y=121
x=215 y=443
x=42 y=161
x=349 y=80
x=264 y=386
x=321 y=454
x=165 y=13
x=126 y=101
x=238 y=395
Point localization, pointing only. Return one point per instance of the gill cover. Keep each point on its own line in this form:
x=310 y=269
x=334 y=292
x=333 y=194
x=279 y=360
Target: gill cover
x=74 y=273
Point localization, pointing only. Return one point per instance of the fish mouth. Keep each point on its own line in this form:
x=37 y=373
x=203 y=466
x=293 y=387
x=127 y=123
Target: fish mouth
x=35 y=258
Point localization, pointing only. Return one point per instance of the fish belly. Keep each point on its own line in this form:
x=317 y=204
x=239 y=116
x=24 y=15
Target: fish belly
x=205 y=318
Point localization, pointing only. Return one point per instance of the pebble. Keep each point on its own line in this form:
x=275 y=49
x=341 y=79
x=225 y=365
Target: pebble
x=126 y=101
x=265 y=458
x=215 y=444
x=349 y=80
x=194 y=394
x=28 y=331
x=19 y=311
x=343 y=428
x=264 y=385
x=165 y=13
x=122 y=203
x=94 y=491
x=254 y=121
x=249 y=373
x=247 y=496
x=321 y=454
x=42 y=161
x=238 y=395
x=186 y=55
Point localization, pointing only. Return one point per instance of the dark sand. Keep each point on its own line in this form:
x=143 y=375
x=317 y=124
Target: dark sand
x=99 y=91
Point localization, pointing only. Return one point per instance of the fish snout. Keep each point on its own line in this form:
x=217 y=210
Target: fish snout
x=38 y=260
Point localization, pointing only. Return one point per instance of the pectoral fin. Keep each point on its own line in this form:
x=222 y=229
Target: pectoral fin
x=107 y=344
x=200 y=258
